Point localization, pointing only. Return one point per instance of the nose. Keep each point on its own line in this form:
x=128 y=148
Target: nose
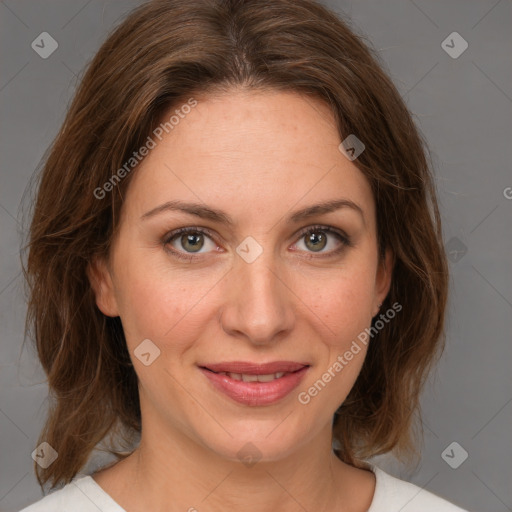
x=259 y=302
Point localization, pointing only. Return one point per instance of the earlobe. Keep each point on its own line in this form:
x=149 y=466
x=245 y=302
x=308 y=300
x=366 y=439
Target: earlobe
x=383 y=279
x=101 y=283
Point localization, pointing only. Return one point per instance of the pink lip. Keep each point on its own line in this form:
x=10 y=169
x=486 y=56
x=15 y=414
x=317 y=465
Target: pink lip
x=256 y=393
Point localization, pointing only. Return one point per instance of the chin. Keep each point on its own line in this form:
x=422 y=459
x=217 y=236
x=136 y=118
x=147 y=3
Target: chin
x=255 y=440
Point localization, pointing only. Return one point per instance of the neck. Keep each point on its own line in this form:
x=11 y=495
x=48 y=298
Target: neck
x=183 y=475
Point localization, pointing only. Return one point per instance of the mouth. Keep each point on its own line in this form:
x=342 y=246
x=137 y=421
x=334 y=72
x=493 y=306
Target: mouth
x=255 y=384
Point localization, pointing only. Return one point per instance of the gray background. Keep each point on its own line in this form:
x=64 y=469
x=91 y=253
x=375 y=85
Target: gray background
x=463 y=107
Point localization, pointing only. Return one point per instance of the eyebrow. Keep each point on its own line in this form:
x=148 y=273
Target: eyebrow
x=206 y=212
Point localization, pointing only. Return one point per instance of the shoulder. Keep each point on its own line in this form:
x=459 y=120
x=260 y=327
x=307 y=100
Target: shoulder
x=393 y=494
x=81 y=495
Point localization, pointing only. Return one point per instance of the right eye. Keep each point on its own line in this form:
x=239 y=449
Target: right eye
x=185 y=242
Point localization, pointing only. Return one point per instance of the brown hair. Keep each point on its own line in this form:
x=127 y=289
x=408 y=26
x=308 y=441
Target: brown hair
x=169 y=50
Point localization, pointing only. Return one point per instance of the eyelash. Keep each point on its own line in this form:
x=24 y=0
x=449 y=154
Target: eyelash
x=343 y=238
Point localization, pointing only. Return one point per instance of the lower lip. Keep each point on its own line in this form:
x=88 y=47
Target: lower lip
x=256 y=393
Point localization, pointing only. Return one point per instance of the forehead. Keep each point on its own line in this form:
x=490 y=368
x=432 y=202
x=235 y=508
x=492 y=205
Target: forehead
x=249 y=151
x=265 y=126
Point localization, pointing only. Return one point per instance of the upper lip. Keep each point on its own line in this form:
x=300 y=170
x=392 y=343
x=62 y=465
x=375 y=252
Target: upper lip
x=250 y=368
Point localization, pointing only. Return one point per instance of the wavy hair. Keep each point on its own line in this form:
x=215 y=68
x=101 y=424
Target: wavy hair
x=164 y=52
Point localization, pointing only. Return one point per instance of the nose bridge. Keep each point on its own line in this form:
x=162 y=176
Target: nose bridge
x=259 y=304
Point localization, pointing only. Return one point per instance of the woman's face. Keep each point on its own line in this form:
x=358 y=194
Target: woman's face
x=248 y=283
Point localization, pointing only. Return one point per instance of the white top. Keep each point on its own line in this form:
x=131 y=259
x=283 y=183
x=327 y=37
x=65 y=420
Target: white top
x=83 y=494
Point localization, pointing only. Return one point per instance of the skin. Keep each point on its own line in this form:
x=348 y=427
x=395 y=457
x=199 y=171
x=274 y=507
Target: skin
x=259 y=157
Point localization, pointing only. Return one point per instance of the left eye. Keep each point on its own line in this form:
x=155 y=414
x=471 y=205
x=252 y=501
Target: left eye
x=317 y=238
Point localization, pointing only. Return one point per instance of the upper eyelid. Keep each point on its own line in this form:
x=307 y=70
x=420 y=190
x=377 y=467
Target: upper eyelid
x=191 y=229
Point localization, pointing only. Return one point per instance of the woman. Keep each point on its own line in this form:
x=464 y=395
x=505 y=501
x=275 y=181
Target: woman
x=235 y=255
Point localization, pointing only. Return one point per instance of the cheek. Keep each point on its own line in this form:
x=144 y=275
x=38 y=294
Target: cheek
x=342 y=312
x=159 y=302
x=340 y=301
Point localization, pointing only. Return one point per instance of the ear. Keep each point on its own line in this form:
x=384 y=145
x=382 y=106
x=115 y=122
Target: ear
x=100 y=279
x=383 y=279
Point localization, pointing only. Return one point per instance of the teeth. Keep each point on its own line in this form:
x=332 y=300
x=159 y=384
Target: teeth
x=250 y=378
x=254 y=378
x=266 y=378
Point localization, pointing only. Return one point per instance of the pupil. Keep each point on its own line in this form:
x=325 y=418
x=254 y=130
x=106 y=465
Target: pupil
x=192 y=239
x=318 y=241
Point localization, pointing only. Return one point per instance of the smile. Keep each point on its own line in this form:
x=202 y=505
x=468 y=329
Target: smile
x=254 y=384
